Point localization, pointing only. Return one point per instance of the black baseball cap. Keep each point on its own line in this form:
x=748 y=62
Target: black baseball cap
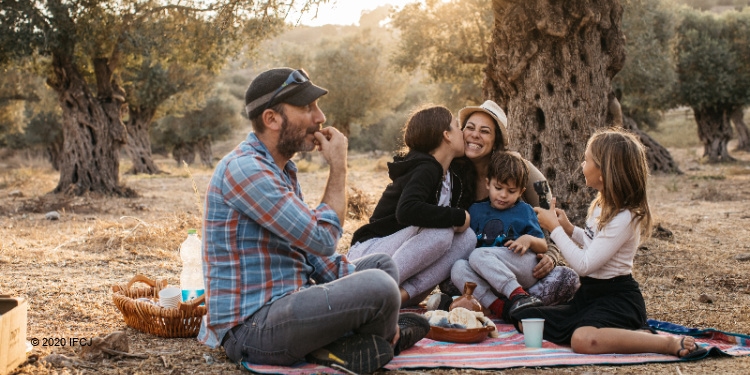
x=280 y=85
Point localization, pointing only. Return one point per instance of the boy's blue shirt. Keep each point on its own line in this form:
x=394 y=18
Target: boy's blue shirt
x=521 y=217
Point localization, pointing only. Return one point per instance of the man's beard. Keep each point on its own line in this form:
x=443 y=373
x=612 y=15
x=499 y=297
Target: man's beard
x=291 y=141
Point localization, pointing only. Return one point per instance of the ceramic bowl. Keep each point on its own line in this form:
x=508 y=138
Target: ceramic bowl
x=471 y=335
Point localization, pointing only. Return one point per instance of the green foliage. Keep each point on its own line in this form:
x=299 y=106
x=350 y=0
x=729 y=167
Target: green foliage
x=360 y=83
x=29 y=113
x=712 y=60
x=711 y=4
x=215 y=121
x=648 y=81
x=448 y=41
x=155 y=49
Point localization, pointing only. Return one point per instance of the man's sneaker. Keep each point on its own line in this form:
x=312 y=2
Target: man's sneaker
x=518 y=303
x=414 y=327
x=438 y=301
x=557 y=287
x=359 y=353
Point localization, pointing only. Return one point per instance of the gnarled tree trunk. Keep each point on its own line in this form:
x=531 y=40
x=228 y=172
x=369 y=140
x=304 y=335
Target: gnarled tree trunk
x=714 y=131
x=53 y=150
x=92 y=129
x=183 y=152
x=139 y=143
x=659 y=159
x=550 y=66
x=743 y=135
x=203 y=147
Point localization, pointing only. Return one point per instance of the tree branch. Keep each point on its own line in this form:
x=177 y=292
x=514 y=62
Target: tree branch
x=32 y=97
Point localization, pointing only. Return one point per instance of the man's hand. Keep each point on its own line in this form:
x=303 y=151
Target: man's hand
x=333 y=145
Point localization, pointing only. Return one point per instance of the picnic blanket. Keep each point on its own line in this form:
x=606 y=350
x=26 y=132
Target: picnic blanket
x=509 y=351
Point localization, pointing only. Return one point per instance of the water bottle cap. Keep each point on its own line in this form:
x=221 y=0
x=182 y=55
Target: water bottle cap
x=192 y=231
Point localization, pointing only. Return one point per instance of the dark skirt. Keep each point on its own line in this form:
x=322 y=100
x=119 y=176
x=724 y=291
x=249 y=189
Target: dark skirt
x=610 y=303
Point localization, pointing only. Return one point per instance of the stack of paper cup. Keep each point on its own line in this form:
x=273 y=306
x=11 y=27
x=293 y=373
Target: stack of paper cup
x=170 y=297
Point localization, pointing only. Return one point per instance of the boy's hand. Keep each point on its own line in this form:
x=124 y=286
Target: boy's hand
x=520 y=245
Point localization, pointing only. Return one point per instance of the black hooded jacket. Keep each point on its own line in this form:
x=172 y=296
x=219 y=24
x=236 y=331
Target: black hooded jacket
x=411 y=198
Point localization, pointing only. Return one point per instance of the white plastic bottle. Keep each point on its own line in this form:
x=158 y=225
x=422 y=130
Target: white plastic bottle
x=191 y=277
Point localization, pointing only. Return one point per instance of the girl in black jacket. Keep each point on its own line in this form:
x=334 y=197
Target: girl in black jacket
x=421 y=219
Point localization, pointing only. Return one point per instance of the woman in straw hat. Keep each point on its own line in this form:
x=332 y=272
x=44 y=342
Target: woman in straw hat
x=485 y=132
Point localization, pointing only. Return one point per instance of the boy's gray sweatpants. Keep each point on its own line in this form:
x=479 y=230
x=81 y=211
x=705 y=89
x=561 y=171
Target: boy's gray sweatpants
x=495 y=269
x=424 y=256
x=284 y=331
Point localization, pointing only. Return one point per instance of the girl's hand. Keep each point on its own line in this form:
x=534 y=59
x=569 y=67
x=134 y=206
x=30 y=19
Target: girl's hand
x=548 y=218
x=463 y=228
x=564 y=222
x=519 y=245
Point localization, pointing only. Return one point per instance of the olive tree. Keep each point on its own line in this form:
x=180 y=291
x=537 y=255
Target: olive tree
x=86 y=43
x=551 y=65
x=714 y=75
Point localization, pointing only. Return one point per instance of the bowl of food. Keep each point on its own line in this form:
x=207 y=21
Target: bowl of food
x=461 y=335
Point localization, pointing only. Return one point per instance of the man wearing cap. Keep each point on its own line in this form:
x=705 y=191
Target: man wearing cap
x=276 y=290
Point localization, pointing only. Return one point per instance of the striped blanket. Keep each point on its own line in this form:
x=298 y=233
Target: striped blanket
x=508 y=351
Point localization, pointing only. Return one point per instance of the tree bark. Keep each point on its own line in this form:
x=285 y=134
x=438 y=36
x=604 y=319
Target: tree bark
x=54 y=152
x=183 y=152
x=714 y=131
x=550 y=66
x=743 y=135
x=203 y=147
x=139 y=142
x=659 y=159
x=93 y=132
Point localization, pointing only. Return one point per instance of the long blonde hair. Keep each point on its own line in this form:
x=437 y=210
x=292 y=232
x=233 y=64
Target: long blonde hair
x=622 y=160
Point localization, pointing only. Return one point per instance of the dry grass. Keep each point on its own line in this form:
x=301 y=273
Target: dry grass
x=66 y=268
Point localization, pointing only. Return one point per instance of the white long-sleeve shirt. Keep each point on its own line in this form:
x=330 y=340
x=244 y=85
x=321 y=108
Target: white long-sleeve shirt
x=601 y=254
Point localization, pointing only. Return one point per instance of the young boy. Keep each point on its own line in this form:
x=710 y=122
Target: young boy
x=506 y=227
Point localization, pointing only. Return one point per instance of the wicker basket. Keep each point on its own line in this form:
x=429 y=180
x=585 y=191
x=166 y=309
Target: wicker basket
x=183 y=321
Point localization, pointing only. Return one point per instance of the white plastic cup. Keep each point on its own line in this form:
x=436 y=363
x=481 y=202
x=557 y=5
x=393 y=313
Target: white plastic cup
x=170 y=297
x=532 y=332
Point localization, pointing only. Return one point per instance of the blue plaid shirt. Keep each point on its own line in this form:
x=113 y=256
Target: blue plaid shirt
x=261 y=241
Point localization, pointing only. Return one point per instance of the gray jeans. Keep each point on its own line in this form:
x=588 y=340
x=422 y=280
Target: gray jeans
x=424 y=256
x=283 y=332
x=495 y=269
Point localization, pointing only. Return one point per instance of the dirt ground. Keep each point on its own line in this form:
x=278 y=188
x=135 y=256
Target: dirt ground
x=66 y=268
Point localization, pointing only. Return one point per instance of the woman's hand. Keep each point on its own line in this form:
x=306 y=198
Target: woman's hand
x=548 y=219
x=544 y=267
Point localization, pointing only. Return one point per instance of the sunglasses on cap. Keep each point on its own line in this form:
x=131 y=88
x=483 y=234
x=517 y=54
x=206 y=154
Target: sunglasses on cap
x=296 y=76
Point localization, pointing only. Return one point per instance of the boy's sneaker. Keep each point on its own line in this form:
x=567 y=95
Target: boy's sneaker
x=438 y=301
x=518 y=303
x=358 y=353
x=414 y=327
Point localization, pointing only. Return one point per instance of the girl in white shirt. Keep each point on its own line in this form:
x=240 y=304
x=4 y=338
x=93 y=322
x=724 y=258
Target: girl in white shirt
x=608 y=310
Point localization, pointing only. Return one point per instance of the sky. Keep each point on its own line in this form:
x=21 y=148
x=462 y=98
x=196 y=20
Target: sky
x=346 y=12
